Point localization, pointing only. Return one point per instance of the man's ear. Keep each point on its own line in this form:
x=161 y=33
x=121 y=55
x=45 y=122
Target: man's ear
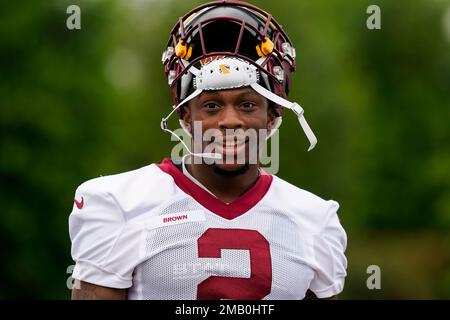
x=271 y=118
x=187 y=117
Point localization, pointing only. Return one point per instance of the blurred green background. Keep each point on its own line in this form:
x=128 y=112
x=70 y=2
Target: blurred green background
x=83 y=103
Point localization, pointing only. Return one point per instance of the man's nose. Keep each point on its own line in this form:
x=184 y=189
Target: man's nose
x=230 y=118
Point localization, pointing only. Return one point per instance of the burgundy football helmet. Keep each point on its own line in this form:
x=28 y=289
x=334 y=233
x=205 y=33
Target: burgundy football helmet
x=243 y=38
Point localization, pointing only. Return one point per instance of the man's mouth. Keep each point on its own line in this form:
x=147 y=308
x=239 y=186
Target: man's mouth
x=230 y=144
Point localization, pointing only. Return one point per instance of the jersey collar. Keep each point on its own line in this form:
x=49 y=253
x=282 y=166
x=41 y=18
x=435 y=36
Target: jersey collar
x=227 y=211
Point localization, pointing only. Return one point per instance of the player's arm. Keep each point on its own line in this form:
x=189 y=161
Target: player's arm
x=331 y=264
x=88 y=291
x=311 y=296
x=96 y=226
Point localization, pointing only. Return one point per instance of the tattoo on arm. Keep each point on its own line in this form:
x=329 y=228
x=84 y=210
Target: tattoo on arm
x=311 y=296
x=89 y=291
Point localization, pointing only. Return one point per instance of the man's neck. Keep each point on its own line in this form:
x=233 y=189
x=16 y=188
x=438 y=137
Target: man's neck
x=226 y=188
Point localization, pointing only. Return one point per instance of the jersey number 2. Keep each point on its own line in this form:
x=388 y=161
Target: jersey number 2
x=254 y=288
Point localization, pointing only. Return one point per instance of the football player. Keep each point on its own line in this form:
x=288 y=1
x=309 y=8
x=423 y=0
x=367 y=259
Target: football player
x=210 y=226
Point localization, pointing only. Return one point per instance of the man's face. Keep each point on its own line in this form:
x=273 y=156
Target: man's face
x=238 y=115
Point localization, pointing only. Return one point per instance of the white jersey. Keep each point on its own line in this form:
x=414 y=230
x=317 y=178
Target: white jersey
x=157 y=233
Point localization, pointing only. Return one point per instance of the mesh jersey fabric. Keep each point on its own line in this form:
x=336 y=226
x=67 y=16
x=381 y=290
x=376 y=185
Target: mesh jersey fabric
x=155 y=232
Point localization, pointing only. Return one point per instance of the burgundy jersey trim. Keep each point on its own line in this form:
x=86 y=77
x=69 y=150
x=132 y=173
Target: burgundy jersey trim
x=228 y=211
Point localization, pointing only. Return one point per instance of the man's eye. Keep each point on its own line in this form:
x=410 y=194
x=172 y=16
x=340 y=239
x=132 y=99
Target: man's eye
x=248 y=105
x=211 y=105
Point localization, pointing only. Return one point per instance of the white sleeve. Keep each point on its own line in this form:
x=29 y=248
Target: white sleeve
x=331 y=263
x=94 y=230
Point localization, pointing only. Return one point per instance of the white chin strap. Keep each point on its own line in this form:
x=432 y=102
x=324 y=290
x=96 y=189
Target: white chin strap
x=295 y=107
x=229 y=73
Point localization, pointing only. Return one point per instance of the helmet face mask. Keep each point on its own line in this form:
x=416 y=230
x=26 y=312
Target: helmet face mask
x=229 y=28
x=235 y=35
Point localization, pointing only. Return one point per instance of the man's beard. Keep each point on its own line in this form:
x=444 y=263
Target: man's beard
x=230 y=173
